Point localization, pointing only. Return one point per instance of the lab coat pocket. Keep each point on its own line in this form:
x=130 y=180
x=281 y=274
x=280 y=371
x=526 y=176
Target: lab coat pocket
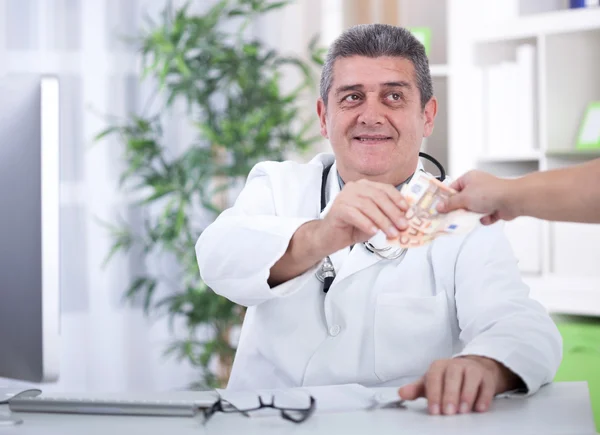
x=410 y=333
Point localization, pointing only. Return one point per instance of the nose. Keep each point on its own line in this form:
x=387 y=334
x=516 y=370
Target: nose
x=372 y=114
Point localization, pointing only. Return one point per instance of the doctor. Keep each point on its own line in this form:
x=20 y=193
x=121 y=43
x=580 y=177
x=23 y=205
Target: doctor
x=450 y=321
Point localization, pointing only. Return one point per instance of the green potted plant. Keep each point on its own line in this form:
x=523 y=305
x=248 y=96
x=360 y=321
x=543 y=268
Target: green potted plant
x=231 y=86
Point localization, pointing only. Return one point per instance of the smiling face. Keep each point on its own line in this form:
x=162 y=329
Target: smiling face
x=374 y=119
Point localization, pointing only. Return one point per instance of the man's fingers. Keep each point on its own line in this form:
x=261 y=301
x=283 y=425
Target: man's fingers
x=413 y=391
x=454 y=202
x=433 y=386
x=389 y=208
x=486 y=220
x=367 y=207
x=360 y=221
x=489 y=219
x=471 y=383
x=396 y=197
x=453 y=381
x=453 y=386
x=486 y=395
x=458 y=184
x=393 y=193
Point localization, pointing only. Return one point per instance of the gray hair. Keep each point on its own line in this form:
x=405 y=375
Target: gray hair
x=377 y=40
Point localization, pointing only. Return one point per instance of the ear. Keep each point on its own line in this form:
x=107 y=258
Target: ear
x=321 y=111
x=429 y=113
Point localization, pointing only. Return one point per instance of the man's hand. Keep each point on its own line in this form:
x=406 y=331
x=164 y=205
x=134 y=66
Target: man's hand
x=360 y=210
x=357 y=213
x=481 y=192
x=461 y=384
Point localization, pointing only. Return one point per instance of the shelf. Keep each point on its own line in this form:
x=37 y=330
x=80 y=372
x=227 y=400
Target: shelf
x=567 y=295
x=564 y=21
x=574 y=154
x=536 y=156
x=528 y=157
x=439 y=70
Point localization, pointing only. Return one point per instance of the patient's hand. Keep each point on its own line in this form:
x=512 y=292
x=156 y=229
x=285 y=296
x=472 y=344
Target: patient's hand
x=461 y=384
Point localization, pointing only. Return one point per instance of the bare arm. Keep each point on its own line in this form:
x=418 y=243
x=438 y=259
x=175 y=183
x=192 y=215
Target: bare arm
x=570 y=195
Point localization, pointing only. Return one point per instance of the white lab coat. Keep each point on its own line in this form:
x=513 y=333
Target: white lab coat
x=383 y=322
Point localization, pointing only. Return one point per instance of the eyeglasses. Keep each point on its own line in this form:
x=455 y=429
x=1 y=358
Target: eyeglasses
x=295 y=415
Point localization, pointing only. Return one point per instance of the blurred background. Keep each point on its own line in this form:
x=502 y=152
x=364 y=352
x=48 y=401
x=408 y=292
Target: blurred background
x=514 y=79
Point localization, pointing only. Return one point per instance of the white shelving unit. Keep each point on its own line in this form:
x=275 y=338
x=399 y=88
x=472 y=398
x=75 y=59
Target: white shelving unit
x=542 y=24
x=434 y=15
x=559 y=260
x=530 y=156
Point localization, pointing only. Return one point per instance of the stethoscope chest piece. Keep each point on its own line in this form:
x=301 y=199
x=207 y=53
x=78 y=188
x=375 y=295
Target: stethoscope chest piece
x=326 y=274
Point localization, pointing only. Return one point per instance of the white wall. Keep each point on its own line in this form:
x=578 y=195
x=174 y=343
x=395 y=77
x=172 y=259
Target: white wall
x=107 y=345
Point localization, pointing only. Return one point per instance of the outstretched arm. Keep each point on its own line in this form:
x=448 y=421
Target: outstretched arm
x=570 y=195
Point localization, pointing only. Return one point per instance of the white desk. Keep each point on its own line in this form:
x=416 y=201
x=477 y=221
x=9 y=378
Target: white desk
x=561 y=408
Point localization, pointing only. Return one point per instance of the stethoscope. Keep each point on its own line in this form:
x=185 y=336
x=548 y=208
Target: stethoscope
x=326 y=273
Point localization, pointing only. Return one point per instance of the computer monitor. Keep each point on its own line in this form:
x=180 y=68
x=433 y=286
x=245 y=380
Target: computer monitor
x=29 y=228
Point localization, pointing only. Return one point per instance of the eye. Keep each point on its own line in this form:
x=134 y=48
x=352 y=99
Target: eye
x=350 y=98
x=395 y=96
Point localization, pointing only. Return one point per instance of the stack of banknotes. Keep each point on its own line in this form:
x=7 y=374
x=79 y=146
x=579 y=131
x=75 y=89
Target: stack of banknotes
x=423 y=193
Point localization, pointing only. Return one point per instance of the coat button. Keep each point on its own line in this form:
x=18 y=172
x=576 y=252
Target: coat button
x=334 y=330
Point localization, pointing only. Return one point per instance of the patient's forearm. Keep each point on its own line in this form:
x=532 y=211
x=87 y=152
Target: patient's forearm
x=570 y=194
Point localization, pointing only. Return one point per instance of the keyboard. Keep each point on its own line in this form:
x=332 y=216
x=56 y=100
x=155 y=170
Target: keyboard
x=170 y=404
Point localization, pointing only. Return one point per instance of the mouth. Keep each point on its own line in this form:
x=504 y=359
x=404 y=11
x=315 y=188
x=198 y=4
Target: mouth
x=372 y=138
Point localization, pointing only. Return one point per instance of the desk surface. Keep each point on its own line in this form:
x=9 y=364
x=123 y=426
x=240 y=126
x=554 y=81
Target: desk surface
x=560 y=408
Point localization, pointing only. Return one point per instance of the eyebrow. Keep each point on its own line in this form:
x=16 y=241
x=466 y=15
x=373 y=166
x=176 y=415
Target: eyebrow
x=346 y=88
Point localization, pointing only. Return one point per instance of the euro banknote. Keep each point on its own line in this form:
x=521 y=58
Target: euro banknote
x=423 y=193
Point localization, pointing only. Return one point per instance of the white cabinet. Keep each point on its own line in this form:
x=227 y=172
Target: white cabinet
x=514 y=99
x=575 y=250
x=525 y=235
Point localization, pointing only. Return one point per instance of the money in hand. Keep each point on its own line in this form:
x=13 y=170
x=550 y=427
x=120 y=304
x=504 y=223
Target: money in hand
x=423 y=193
